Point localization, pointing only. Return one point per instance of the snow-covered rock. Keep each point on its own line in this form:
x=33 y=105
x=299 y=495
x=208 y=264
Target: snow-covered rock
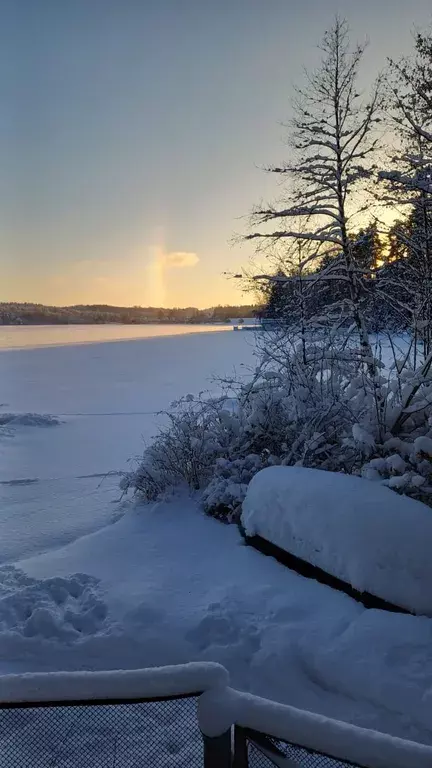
x=355 y=530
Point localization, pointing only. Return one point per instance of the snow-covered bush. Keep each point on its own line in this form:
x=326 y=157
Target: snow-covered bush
x=215 y=445
x=198 y=432
x=405 y=466
x=308 y=404
x=223 y=496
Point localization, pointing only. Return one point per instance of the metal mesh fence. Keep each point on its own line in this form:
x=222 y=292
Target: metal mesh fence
x=126 y=735
x=260 y=757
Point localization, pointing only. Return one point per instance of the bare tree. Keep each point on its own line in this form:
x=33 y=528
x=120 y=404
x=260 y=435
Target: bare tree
x=333 y=140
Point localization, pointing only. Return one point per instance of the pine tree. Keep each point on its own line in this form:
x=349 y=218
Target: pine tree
x=279 y=298
x=367 y=249
x=409 y=186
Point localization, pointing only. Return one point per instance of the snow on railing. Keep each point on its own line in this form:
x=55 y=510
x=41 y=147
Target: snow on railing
x=127 y=685
x=124 y=715
x=221 y=708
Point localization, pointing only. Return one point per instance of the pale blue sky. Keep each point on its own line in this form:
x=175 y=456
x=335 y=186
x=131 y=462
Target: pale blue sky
x=131 y=130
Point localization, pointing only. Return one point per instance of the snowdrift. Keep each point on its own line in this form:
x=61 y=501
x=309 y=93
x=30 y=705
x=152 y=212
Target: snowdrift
x=65 y=609
x=356 y=530
x=28 y=420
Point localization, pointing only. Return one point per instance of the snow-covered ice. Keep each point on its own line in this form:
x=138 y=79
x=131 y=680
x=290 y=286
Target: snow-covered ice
x=175 y=586
x=39 y=336
x=107 y=396
x=55 y=483
x=356 y=530
x=28 y=420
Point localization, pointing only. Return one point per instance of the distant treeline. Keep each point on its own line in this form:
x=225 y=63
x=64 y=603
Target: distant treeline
x=12 y=313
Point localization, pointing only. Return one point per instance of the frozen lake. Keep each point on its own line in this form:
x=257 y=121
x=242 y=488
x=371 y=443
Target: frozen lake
x=107 y=397
x=31 y=336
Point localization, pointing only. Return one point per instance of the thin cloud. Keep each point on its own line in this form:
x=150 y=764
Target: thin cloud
x=180 y=259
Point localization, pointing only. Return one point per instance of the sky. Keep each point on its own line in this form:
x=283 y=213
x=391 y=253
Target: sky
x=133 y=135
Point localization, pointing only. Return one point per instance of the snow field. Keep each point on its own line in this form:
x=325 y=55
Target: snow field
x=175 y=585
x=279 y=635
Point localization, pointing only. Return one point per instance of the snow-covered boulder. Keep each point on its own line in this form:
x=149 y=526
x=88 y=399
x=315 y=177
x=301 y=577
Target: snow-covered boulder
x=358 y=531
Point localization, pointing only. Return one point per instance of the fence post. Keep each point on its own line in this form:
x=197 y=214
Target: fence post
x=241 y=754
x=217 y=750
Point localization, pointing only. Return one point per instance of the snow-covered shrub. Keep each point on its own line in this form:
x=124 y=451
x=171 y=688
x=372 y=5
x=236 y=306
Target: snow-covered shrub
x=405 y=466
x=223 y=496
x=311 y=405
x=215 y=445
x=185 y=450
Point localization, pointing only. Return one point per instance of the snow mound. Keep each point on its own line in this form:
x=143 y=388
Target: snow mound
x=65 y=609
x=356 y=530
x=28 y=420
